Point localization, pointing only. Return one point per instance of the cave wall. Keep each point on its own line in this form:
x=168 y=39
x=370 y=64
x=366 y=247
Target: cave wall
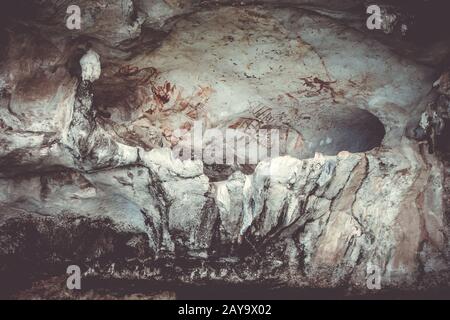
x=87 y=175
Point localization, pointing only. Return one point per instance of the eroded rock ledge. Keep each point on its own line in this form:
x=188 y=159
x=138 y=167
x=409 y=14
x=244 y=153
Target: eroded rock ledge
x=87 y=175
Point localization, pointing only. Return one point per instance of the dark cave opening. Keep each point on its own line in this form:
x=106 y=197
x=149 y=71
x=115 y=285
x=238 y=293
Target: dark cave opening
x=352 y=130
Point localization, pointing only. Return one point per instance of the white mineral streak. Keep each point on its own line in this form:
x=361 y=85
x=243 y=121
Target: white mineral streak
x=90 y=66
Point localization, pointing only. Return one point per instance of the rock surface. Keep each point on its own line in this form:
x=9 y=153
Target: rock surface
x=88 y=177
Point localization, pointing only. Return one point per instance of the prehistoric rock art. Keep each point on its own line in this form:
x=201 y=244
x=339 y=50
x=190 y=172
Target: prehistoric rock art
x=89 y=119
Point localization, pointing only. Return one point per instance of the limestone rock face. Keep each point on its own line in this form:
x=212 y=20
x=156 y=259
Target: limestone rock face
x=90 y=119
